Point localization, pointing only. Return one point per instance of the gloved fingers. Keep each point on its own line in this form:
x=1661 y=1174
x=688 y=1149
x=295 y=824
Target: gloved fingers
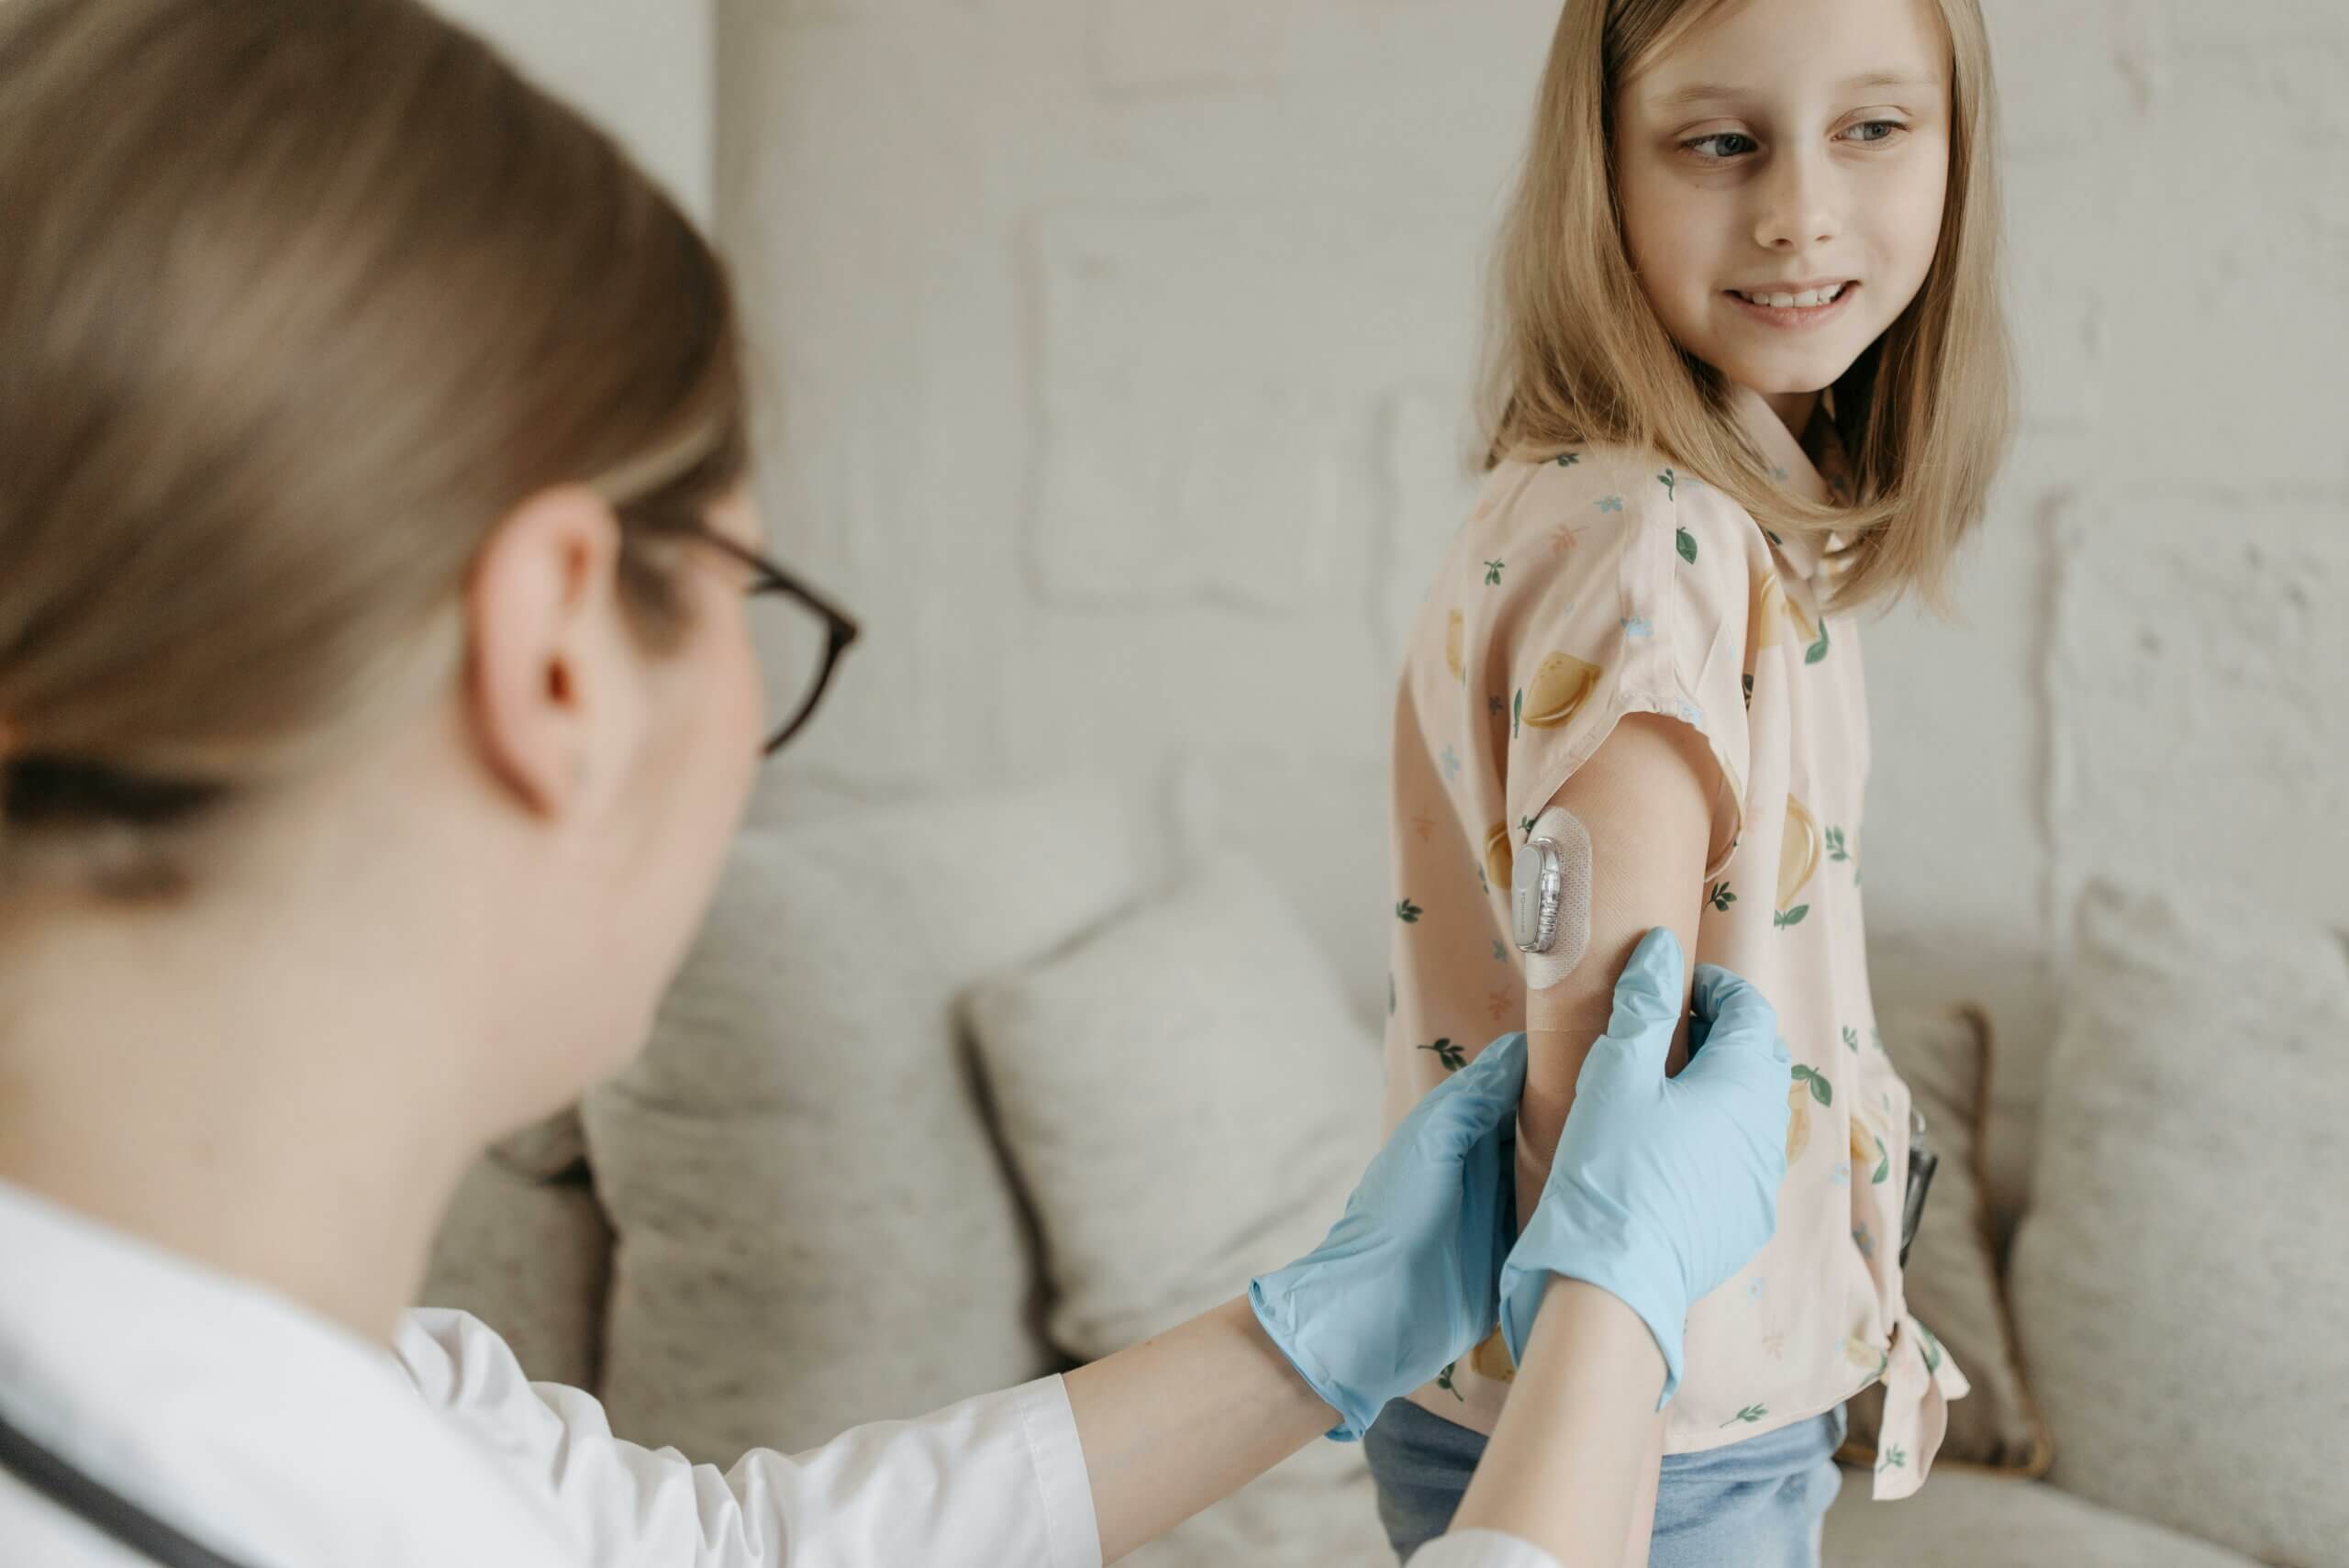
x=1744 y=1045
x=1701 y=1028
x=1506 y=1176
x=1473 y=1102
x=1745 y=1081
x=1729 y=1004
x=1647 y=1011
x=1488 y=1212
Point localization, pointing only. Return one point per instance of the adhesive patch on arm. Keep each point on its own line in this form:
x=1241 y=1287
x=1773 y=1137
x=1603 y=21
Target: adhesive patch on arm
x=1550 y=898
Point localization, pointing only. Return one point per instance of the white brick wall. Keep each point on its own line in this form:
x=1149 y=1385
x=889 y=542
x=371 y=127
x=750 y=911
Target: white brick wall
x=1122 y=348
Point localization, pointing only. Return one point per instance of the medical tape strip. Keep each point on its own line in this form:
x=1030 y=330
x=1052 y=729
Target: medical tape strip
x=1543 y=970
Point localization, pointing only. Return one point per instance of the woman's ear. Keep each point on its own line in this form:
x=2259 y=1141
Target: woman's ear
x=550 y=689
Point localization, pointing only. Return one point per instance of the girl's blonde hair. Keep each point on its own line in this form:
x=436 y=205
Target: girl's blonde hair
x=1576 y=355
x=297 y=300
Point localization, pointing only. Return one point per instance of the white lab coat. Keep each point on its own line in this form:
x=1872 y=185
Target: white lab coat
x=277 y=1440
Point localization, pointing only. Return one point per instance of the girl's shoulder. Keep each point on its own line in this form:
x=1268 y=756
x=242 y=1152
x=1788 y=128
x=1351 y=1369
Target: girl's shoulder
x=1619 y=498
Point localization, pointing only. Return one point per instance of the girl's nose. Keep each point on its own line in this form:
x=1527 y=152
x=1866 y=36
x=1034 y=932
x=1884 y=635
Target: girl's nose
x=1800 y=203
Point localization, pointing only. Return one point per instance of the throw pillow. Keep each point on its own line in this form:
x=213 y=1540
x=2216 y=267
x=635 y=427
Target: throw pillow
x=1187 y=1100
x=2178 y=1279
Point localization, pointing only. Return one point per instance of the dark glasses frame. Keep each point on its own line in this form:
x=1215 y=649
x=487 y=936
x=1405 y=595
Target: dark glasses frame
x=767 y=578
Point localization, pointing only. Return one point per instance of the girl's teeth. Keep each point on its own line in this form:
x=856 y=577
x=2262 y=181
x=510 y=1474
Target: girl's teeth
x=1807 y=300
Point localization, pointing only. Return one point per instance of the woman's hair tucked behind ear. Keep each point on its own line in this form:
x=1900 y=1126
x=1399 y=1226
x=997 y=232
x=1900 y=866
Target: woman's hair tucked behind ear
x=1575 y=355
x=297 y=300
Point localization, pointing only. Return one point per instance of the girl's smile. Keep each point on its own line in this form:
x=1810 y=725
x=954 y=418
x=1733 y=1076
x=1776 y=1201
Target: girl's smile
x=1793 y=307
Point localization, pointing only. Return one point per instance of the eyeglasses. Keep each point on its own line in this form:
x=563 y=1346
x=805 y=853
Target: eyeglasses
x=799 y=634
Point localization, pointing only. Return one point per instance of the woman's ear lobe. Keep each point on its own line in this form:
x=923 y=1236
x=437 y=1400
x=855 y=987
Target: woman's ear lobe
x=536 y=608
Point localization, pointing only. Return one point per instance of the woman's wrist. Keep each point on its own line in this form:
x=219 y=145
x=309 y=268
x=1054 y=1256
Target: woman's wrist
x=1591 y=1316
x=1185 y=1418
x=1294 y=1400
x=1559 y=1471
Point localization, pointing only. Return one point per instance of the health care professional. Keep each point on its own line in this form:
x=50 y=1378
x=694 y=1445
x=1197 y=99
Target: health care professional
x=377 y=697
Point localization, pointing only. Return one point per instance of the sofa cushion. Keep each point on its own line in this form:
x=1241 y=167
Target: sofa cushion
x=1969 y=1520
x=814 y=1226
x=2178 y=1279
x=1187 y=1099
x=1189 y=1102
x=1952 y=1279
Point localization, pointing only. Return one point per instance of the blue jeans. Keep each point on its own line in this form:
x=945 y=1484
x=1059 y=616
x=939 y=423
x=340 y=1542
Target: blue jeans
x=1756 y=1503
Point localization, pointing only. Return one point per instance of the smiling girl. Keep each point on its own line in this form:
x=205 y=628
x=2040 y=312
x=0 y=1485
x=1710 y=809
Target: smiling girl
x=1749 y=375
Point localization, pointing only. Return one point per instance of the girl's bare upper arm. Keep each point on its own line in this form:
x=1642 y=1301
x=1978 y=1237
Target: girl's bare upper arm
x=1645 y=797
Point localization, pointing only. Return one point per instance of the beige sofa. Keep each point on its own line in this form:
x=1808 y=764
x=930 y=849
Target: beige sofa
x=950 y=1096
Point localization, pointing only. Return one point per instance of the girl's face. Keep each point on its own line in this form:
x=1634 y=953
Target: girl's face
x=1781 y=171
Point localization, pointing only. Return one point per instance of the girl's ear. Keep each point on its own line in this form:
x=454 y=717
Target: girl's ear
x=550 y=689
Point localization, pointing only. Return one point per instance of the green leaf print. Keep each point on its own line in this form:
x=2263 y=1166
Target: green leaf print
x=1496 y=707
x=1883 y=1164
x=1526 y=824
x=1686 y=544
x=1821 y=1089
x=1443 y=1381
x=1453 y=1055
x=1894 y=1458
x=1667 y=476
x=1567 y=460
x=1933 y=1348
x=1516 y=713
x=1493 y=570
x=1852 y=1041
x=1749 y=1415
x=1409 y=912
x=1817 y=651
x=1720 y=896
x=1835 y=848
x=1792 y=917
x=1749 y=688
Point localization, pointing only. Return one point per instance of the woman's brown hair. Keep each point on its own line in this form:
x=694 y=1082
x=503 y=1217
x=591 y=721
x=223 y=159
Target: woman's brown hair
x=297 y=300
x=1575 y=355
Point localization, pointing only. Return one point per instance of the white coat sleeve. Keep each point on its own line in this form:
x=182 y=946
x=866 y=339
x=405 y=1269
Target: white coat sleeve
x=993 y=1481
x=1482 y=1548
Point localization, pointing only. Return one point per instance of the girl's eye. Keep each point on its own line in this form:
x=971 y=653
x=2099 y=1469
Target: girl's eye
x=1724 y=145
x=1717 y=147
x=1884 y=132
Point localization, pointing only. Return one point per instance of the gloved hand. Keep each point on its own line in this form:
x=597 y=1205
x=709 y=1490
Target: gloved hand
x=1405 y=1282
x=1662 y=1188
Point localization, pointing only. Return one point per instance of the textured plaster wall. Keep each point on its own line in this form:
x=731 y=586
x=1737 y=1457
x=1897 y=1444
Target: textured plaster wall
x=644 y=68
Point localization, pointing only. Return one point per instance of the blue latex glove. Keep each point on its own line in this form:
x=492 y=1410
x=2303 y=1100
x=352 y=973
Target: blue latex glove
x=1407 y=1282
x=1662 y=1187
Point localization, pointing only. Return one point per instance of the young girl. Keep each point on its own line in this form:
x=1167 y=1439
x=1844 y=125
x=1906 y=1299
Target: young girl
x=1749 y=375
